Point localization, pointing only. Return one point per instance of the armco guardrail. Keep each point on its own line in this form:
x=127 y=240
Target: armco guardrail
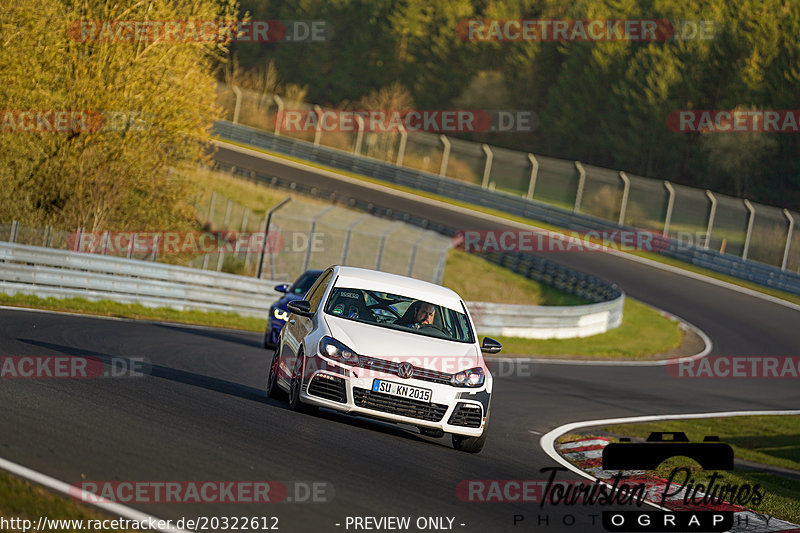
x=766 y=275
x=536 y=322
x=48 y=272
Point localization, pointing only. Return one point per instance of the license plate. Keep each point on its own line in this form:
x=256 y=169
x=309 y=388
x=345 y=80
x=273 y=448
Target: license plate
x=404 y=391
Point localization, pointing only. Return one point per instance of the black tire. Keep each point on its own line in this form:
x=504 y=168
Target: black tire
x=295 y=404
x=472 y=444
x=273 y=390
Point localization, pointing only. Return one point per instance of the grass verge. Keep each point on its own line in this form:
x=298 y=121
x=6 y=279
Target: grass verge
x=769 y=440
x=647 y=255
x=22 y=500
x=644 y=332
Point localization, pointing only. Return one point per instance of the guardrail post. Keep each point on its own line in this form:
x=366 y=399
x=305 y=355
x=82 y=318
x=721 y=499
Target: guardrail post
x=311 y=231
x=346 y=245
x=788 y=215
x=382 y=244
x=318 y=129
x=47 y=235
x=401 y=150
x=271 y=210
x=359 y=135
x=712 y=212
x=238 y=105
x=413 y=257
x=534 y=173
x=487 y=167
x=670 y=205
x=12 y=238
x=750 y=219
x=445 y=154
x=581 y=184
x=626 y=189
x=211 y=207
x=279 y=116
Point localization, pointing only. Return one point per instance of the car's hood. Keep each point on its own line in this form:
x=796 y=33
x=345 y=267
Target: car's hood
x=419 y=350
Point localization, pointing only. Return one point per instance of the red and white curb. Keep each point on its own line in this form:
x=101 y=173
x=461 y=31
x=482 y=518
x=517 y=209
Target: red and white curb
x=587 y=455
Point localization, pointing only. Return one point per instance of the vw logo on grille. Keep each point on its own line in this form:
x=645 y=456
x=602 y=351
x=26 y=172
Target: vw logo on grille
x=405 y=370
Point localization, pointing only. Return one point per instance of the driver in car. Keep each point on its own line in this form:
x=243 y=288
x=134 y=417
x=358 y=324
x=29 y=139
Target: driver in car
x=423 y=316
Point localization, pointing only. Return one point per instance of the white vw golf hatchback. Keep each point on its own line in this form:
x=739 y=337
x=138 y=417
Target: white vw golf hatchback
x=389 y=347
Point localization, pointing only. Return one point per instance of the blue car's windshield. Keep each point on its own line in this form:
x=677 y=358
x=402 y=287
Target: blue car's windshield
x=304 y=282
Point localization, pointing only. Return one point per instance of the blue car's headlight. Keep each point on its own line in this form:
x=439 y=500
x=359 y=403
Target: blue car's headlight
x=474 y=377
x=330 y=347
x=280 y=314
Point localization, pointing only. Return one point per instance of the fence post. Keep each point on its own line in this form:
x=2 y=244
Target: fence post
x=670 y=205
x=311 y=231
x=155 y=247
x=712 y=212
x=534 y=173
x=487 y=167
x=346 y=245
x=401 y=150
x=382 y=244
x=47 y=235
x=78 y=240
x=106 y=238
x=131 y=245
x=238 y=105
x=626 y=189
x=445 y=154
x=279 y=116
x=359 y=135
x=438 y=275
x=318 y=129
x=12 y=238
x=245 y=214
x=788 y=215
x=413 y=257
x=750 y=219
x=227 y=215
x=211 y=207
x=271 y=210
x=581 y=183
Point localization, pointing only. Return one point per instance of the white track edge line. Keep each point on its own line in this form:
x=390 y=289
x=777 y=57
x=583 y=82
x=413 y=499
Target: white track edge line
x=486 y=216
x=85 y=497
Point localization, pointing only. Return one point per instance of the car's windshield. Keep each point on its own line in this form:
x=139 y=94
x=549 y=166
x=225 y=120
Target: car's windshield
x=397 y=312
x=304 y=282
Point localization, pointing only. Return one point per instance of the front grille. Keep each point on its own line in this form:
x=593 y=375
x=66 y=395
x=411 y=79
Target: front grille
x=466 y=415
x=328 y=388
x=390 y=367
x=379 y=401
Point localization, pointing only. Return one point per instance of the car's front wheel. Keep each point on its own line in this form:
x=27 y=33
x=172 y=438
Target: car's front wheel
x=472 y=444
x=296 y=384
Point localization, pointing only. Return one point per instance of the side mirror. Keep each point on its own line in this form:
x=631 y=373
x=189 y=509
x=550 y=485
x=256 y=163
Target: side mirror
x=300 y=307
x=283 y=287
x=490 y=345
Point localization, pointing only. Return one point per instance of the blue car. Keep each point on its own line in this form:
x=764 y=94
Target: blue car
x=278 y=312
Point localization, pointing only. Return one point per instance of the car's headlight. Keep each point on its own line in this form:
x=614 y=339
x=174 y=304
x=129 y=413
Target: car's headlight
x=280 y=314
x=474 y=377
x=330 y=347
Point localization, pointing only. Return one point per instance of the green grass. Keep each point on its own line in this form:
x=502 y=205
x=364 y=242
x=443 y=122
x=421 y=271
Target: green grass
x=116 y=309
x=771 y=440
x=644 y=332
x=20 y=499
x=496 y=212
x=477 y=280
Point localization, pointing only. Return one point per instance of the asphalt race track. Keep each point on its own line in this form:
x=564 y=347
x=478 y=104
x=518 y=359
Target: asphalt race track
x=201 y=413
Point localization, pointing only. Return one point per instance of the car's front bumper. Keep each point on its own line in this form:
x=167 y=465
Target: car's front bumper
x=457 y=410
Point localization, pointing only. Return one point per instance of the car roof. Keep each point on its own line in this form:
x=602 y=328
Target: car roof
x=363 y=278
